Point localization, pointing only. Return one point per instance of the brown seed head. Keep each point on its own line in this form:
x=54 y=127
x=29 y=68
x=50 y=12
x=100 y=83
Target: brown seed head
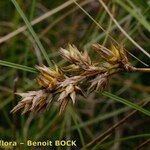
x=33 y=101
x=73 y=55
x=82 y=73
x=48 y=78
x=99 y=82
x=103 y=51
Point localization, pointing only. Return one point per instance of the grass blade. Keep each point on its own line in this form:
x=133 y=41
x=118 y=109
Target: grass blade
x=17 y=66
x=36 y=21
x=100 y=118
x=126 y=102
x=124 y=139
x=117 y=24
x=39 y=44
x=122 y=30
x=74 y=117
x=134 y=13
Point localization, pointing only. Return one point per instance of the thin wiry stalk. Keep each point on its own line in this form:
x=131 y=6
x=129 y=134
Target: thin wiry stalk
x=122 y=30
x=143 y=144
x=145 y=70
x=111 y=129
x=37 y=20
x=98 y=24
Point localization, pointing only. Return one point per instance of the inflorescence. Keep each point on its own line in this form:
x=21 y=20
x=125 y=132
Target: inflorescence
x=62 y=85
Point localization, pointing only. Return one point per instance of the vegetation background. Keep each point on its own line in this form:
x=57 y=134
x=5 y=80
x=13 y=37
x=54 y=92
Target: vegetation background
x=112 y=120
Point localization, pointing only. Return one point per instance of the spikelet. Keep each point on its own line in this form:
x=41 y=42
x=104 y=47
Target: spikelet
x=99 y=82
x=68 y=93
x=33 y=101
x=48 y=78
x=73 y=55
x=110 y=55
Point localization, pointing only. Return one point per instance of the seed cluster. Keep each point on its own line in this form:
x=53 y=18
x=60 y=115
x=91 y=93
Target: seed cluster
x=62 y=85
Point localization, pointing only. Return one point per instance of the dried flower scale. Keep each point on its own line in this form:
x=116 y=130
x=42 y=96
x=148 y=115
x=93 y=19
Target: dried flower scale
x=58 y=86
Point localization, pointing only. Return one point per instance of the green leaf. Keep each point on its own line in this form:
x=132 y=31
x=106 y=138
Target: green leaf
x=17 y=66
x=29 y=26
x=126 y=102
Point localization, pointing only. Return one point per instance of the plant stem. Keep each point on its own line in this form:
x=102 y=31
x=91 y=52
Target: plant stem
x=145 y=70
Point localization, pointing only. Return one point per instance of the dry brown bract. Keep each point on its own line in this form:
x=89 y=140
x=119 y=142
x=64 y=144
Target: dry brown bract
x=63 y=85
